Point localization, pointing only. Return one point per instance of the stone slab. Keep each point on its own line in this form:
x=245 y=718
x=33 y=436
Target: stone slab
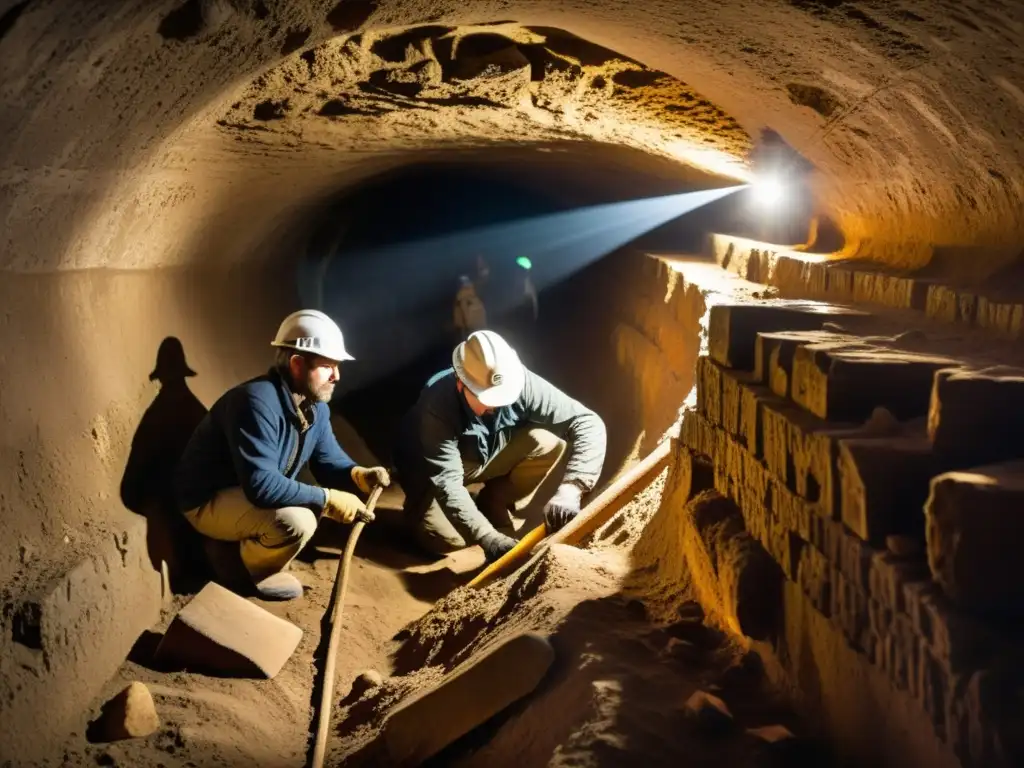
x=884 y=483
x=733 y=328
x=977 y=416
x=975 y=528
x=839 y=383
x=800 y=449
x=221 y=633
x=960 y=641
x=889 y=290
x=469 y=696
x=773 y=355
x=708 y=381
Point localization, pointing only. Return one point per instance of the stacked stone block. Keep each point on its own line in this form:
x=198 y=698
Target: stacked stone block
x=799 y=276
x=829 y=498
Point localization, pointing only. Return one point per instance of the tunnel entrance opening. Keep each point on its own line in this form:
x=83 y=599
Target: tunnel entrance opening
x=386 y=260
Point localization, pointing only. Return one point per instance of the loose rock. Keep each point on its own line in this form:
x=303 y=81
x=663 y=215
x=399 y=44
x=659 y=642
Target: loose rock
x=129 y=715
x=709 y=710
x=367 y=680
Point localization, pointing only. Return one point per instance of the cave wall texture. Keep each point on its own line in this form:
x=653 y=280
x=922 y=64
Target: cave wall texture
x=159 y=160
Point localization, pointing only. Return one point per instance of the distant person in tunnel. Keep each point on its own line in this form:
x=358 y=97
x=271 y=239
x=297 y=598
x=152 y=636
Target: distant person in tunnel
x=469 y=313
x=489 y=420
x=236 y=479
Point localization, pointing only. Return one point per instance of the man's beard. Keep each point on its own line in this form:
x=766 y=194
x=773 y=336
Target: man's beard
x=323 y=394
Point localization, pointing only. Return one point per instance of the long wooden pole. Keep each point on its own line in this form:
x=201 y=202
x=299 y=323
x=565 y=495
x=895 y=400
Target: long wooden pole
x=598 y=512
x=337 y=608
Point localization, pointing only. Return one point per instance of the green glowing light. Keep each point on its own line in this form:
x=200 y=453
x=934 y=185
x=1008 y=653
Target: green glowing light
x=524 y=262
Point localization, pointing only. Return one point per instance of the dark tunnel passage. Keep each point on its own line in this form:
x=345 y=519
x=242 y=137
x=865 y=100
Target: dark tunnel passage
x=386 y=259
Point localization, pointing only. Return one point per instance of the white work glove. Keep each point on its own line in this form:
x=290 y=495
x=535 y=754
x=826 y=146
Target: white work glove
x=368 y=478
x=344 y=507
x=563 y=507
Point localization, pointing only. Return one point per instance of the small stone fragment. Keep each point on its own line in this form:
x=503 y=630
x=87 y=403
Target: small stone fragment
x=367 y=680
x=904 y=546
x=771 y=733
x=881 y=422
x=709 y=710
x=683 y=650
x=129 y=715
x=745 y=672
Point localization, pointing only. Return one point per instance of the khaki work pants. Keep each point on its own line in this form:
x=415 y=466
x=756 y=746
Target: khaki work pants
x=269 y=539
x=511 y=479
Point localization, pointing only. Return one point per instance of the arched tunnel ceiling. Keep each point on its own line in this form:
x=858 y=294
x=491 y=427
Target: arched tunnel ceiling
x=144 y=135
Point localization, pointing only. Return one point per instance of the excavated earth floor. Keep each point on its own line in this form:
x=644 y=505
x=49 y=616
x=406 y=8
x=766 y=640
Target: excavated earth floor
x=616 y=692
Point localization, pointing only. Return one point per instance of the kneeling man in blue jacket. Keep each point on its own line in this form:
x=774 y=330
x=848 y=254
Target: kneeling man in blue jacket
x=488 y=419
x=236 y=478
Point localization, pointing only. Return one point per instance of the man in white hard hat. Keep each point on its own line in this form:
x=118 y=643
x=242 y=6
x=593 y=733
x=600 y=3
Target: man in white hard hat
x=236 y=480
x=490 y=420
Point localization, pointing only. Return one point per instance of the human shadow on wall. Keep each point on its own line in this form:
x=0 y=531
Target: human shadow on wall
x=159 y=441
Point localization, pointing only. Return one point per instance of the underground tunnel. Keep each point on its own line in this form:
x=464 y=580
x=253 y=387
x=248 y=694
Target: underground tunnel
x=802 y=546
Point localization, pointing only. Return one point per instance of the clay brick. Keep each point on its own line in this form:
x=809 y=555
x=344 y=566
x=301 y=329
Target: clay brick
x=709 y=389
x=699 y=435
x=887 y=576
x=933 y=685
x=793 y=512
x=960 y=641
x=899 y=657
x=847 y=383
x=739 y=407
x=942 y=304
x=849 y=608
x=968 y=312
x=693 y=473
x=839 y=284
x=813 y=572
x=773 y=355
x=847 y=552
x=785 y=548
x=977 y=416
x=975 y=525
x=884 y=483
x=733 y=328
x=800 y=450
x=751 y=397
x=979 y=725
x=879 y=617
x=889 y=290
x=224 y=634
x=1005 y=319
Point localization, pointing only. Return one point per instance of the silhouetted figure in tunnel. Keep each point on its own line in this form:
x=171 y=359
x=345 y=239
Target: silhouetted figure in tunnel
x=158 y=443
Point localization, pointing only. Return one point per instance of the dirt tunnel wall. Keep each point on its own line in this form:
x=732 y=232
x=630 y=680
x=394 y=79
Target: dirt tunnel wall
x=79 y=582
x=156 y=138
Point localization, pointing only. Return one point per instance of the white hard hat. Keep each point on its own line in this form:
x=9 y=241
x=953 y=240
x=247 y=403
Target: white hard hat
x=489 y=368
x=310 y=330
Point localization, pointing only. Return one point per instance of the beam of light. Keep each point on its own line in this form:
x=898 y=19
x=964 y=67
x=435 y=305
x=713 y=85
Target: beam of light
x=388 y=299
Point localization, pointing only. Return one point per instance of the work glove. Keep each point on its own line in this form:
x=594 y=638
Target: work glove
x=563 y=507
x=368 y=478
x=347 y=508
x=495 y=545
